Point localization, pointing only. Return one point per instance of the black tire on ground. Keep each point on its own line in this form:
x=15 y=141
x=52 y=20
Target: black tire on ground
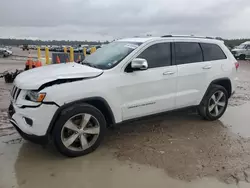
x=242 y=57
x=65 y=116
x=204 y=105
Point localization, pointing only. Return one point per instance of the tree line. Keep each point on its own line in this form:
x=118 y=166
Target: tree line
x=16 y=42
x=235 y=42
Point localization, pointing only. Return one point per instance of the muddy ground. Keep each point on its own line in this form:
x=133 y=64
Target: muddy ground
x=176 y=149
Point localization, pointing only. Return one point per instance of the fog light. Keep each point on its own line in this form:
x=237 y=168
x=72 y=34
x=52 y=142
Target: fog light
x=28 y=121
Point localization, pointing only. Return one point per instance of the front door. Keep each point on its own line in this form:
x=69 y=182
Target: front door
x=150 y=91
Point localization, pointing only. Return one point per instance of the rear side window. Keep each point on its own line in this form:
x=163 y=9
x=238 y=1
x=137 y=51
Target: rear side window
x=212 y=52
x=187 y=52
x=248 y=47
x=157 y=55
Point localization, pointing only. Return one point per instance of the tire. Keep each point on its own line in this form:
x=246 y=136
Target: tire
x=242 y=57
x=208 y=106
x=61 y=131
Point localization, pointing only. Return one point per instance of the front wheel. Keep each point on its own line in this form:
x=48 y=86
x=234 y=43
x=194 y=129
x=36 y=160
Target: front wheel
x=214 y=104
x=79 y=130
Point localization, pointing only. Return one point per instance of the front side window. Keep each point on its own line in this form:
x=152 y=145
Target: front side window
x=157 y=55
x=212 y=52
x=187 y=52
x=111 y=54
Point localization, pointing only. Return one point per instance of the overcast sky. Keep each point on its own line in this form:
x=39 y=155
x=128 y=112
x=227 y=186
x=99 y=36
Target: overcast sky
x=110 y=19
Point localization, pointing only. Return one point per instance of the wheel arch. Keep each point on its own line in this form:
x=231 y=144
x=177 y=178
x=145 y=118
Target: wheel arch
x=224 y=82
x=98 y=102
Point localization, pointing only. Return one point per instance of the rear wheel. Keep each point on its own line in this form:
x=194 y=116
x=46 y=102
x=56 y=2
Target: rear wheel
x=242 y=57
x=214 y=103
x=79 y=130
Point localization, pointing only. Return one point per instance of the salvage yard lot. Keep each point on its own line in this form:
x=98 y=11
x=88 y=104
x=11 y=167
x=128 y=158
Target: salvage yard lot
x=177 y=147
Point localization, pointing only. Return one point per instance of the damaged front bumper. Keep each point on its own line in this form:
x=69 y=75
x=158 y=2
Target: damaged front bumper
x=32 y=123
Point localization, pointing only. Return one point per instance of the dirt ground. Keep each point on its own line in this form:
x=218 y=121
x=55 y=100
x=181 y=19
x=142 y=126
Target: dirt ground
x=176 y=149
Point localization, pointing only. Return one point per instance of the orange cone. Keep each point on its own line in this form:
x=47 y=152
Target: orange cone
x=38 y=63
x=58 y=59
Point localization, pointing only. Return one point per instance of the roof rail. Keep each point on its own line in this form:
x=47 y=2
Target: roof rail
x=193 y=36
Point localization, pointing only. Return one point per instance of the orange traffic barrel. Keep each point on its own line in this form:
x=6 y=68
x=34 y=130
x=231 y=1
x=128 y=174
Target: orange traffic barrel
x=58 y=59
x=38 y=63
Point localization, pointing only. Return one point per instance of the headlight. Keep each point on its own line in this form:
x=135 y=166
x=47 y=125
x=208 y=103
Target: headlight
x=35 y=96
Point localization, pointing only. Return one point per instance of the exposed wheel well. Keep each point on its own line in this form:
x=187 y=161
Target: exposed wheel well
x=226 y=83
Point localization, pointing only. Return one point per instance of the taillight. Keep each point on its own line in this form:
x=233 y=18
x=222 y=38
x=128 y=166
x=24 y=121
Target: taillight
x=237 y=64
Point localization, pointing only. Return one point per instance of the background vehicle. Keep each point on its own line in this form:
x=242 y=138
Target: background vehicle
x=43 y=47
x=242 y=51
x=32 y=47
x=127 y=79
x=5 y=52
x=25 y=47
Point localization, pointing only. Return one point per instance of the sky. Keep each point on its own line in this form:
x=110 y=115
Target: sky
x=113 y=19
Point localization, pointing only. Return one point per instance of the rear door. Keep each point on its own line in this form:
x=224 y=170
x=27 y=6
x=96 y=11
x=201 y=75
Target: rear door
x=192 y=73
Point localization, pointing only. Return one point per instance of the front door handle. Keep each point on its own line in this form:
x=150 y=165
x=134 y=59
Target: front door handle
x=207 y=67
x=168 y=73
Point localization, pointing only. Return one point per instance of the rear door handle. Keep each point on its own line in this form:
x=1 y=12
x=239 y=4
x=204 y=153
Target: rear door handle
x=207 y=67
x=168 y=73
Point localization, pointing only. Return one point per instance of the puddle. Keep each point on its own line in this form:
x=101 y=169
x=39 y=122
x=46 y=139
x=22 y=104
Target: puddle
x=27 y=166
x=237 y=119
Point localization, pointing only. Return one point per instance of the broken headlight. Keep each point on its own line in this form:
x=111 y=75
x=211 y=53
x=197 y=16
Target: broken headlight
x=35 y=96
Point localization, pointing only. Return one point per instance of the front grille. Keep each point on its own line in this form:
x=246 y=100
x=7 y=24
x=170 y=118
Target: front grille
x=11 y=111
x=15 y=93
x=233 y=52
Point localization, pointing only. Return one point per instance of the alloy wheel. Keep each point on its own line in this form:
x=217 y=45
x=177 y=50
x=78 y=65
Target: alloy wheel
x=217 y=103
x=80 y=132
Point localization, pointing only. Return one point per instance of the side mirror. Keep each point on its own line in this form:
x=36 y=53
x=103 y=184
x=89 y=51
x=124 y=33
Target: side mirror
x=139 y=64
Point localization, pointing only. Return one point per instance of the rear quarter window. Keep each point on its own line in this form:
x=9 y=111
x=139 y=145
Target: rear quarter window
x=212 y=52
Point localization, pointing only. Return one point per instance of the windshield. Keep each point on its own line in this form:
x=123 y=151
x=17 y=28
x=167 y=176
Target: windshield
x=242 y=46
x=110 y=55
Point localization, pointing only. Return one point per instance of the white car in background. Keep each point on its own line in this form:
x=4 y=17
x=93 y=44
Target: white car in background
x=5 y=52
x=72 y=104
x=242 y=51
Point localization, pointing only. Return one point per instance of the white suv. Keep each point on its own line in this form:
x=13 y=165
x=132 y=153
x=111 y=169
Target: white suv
x=72 y=104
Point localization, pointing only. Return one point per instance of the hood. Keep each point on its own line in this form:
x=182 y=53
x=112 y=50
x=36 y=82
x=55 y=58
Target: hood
x=34 y=78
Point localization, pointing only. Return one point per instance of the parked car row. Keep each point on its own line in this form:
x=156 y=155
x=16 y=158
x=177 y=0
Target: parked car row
x=55 y=48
